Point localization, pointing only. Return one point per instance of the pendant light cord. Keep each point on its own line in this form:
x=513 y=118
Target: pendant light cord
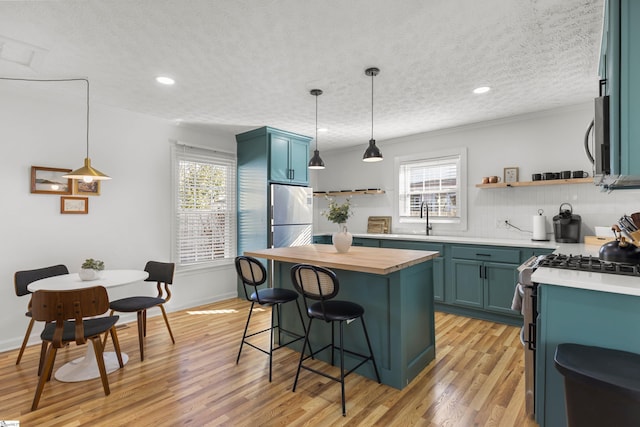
x=59 y=80
x=316 y=122
x=372 y=76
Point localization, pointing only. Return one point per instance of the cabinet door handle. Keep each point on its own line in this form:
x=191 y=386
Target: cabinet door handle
x=531 y=342
x=483 y=254
x=485 y=272
x=480 y=270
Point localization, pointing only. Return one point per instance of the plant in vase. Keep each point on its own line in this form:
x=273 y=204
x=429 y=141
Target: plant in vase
x=339 y=214
x=91 y=269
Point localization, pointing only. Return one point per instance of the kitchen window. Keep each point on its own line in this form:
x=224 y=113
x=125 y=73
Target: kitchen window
x=433 y=181
x=205 y=206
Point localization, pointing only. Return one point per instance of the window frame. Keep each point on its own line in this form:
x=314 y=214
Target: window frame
x=453 y=224
x=181 y=151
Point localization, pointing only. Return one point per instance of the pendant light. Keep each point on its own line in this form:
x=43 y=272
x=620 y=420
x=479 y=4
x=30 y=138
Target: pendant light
x=316 y=162
x=372 y=154
x=86 y=172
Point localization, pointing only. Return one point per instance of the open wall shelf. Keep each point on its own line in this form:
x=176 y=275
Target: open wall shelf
x=537 y=183
x=370 y=191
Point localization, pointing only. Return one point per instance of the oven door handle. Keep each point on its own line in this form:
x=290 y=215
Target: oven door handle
x=531 y=342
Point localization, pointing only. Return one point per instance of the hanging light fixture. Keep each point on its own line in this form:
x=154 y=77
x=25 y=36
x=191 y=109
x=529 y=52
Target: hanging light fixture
x=86 y=172
x=316 y=162
x=372 y=154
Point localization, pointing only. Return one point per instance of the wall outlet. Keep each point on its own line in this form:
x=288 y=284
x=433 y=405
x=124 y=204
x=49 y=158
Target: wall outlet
x=502 y=223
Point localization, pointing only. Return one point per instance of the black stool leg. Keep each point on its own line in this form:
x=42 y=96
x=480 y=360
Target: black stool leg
x=366 y=335
x=306 y=342
x=332 y=344
x=344 y=406
x=246 y=326
x=277 y=313
x=304 y=329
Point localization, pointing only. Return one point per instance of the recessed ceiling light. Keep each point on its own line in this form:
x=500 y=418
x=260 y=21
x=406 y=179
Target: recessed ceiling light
x=323 y=130
x=481 y=89
x=165 y=80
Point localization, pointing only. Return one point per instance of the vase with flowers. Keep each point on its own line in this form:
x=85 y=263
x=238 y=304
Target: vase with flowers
x=338 y=214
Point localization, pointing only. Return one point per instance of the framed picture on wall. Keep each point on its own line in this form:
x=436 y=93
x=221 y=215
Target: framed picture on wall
x=74 y=205
x=46 y=180
x=510 y=174
x=82 y=188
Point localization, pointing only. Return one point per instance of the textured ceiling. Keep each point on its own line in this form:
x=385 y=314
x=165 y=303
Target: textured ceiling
x=240 y=64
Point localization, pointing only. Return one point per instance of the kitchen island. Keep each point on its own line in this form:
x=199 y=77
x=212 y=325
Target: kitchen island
x=394 y=286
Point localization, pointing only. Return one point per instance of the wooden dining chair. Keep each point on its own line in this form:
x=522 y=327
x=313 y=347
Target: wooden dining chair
x=162 y=274
x=70 y=318
x=21 y=280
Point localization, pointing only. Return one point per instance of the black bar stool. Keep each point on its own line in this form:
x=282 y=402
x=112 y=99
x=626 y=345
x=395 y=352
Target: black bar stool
x=602 y=386
x=253 y=274
x=321 y=284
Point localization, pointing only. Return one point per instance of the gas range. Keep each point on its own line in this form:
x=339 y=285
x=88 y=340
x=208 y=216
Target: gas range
x=588 y=263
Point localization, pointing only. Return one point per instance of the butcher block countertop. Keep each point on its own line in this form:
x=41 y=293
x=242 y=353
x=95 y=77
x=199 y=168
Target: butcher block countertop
x=359 y=258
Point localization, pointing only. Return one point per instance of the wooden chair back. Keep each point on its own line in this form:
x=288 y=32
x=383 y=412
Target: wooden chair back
x=58 y=306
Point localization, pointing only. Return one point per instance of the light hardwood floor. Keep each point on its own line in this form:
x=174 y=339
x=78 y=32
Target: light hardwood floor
x=476 y=380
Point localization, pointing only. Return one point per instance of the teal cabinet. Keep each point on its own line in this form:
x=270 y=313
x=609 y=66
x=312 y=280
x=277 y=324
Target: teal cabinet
x=484 y=277
x=289 y=158
x=372 y=243
x=620 y=66
x=572 y=315
x=322 y=240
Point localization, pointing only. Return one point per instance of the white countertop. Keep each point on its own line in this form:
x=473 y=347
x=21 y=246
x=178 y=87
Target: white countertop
x=522 y=243
x=603 y=282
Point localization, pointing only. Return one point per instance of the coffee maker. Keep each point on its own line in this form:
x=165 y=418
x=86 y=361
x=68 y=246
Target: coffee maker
x=566 y=225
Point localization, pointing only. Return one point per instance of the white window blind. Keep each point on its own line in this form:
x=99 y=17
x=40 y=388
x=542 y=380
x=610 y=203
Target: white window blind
x=205 y=202
x=434 y=182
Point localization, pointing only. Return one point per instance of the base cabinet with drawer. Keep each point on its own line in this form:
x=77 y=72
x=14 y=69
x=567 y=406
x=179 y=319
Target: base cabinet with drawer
x=484 y=277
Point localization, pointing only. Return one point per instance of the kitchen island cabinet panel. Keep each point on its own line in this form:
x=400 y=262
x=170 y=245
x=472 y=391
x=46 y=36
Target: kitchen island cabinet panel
x=573 y=315
x=438 y=263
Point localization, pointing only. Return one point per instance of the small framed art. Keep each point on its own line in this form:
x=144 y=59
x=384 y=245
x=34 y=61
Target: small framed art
x=510 y=174
x=74 y=205
x=82 y=188
x=49 y=180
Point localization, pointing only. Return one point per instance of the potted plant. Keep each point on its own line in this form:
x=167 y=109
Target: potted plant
x=339 y=214
x=91 y=269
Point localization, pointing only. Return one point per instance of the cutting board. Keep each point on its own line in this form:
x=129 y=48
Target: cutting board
x=379 y=225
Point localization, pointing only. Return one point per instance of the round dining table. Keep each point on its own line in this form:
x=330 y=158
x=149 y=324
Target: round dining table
x=86 y=368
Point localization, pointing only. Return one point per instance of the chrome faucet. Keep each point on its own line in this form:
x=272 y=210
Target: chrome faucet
x=425 y=208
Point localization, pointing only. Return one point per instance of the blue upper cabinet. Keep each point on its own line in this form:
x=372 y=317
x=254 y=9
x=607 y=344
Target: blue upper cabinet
x=289 y=158
x=620 y=66
x=282 y=156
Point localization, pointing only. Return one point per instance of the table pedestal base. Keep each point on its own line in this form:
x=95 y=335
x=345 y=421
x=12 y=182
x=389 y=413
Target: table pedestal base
x=86 y=368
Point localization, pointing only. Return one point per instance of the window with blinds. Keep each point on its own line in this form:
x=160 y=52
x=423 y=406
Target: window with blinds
x=205 y=202
x=433 y=184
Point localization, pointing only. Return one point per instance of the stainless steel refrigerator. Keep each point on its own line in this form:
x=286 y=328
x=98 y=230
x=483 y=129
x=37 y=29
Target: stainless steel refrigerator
x=291 y=216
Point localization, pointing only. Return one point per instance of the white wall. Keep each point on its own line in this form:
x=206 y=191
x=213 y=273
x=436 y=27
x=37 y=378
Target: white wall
x=548 y=141
x=127 y=225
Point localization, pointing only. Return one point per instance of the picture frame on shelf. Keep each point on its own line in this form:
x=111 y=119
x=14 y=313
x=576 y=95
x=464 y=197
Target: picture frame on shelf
x=46 y=180
x=510 y=174
x=74 y=205
x=81 y=188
